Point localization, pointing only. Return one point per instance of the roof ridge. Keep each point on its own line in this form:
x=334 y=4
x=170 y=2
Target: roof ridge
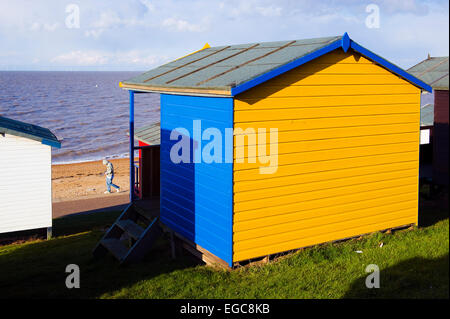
x=333 y=38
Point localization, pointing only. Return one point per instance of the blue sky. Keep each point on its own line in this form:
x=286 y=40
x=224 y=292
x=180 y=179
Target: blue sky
x=141 y=34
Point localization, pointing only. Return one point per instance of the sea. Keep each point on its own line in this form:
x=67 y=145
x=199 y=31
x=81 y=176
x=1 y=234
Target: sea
x=87 y=111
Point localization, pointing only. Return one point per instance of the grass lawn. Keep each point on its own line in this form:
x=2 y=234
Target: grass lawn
x=413 y=263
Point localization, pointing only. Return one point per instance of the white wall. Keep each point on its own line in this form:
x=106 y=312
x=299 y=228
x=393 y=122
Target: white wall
x=25 y=184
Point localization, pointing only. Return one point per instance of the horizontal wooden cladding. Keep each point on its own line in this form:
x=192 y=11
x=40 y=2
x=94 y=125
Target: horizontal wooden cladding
x=328 y=233
x=250 y=228
x=321 y=112
x=332 y=154
x=328 y=175
x=343 y=132
x=344 y=181
x=307 y=192
x=328 y=144
x=319 y=68
x=331 y=122
x=253 y=237
x=304 y=78
x=331 y=90
x=336 y=164
x=329 y=202
x=324 y=101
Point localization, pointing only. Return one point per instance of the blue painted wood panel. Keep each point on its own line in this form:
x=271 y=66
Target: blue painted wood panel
x=197 y=198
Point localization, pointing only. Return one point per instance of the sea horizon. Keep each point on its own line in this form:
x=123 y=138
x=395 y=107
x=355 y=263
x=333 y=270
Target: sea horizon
x=86 y=110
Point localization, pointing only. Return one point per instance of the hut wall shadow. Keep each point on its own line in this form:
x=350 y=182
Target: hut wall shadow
x=413 y=278
x=177 y=189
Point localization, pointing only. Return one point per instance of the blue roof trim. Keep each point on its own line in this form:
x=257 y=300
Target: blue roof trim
x=391 y=67
x=345 y=43
x=51 y=143
x=287 y=67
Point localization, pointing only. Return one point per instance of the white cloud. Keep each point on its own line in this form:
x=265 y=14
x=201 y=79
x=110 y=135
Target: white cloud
x=37 y=26
x=117 y=34
x=100 y=58
x=250 y=8
x=149 y=5
x=81 y=58
x=51 y=27
x=107 y=19
x=173 y=24
x=94 y=33
x=405 y=6
x=270 y=11
x=140 y=58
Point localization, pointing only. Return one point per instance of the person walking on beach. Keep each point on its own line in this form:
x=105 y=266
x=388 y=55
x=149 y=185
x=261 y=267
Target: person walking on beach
x=109 y=177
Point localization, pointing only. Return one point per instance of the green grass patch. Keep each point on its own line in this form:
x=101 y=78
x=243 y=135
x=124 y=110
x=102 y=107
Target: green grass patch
x=413 y=263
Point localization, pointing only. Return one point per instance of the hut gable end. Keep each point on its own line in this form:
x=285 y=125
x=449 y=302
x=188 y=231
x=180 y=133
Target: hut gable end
x=348 y=144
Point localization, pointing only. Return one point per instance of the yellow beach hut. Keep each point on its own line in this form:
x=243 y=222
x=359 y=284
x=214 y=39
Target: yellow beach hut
x=346 y=129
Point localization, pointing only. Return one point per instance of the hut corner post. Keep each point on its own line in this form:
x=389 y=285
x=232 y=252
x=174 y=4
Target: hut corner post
x=131 y=145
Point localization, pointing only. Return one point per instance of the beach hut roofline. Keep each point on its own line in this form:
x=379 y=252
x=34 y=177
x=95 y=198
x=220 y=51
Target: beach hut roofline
x=30 y=131
x=433 y=71
x=231 y=70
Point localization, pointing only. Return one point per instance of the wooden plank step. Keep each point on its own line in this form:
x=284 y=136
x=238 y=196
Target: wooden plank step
x=147 y=213
x=131 y=228
x=115 y=247
x=144 y=243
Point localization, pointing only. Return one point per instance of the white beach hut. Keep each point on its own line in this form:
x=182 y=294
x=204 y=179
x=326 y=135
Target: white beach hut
x=25 y=176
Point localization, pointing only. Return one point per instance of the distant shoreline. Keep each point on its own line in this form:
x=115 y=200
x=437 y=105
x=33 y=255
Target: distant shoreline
x=92 y=159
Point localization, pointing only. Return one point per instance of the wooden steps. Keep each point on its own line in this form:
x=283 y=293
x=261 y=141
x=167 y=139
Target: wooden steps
x=115 y=247
x=131 y=228
x=142 y=239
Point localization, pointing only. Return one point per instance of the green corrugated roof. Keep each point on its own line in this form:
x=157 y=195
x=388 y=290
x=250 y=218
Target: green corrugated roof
x=433 y=71
x=224 y=67
x=427 y=115
x=149 y=134
x=33 y=132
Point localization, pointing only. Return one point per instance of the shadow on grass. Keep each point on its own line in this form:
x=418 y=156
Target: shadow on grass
x=78 y=223
x=37 y=269
x=406 y=280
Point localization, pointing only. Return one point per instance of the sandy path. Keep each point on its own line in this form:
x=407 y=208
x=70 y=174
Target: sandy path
x=85 y=180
